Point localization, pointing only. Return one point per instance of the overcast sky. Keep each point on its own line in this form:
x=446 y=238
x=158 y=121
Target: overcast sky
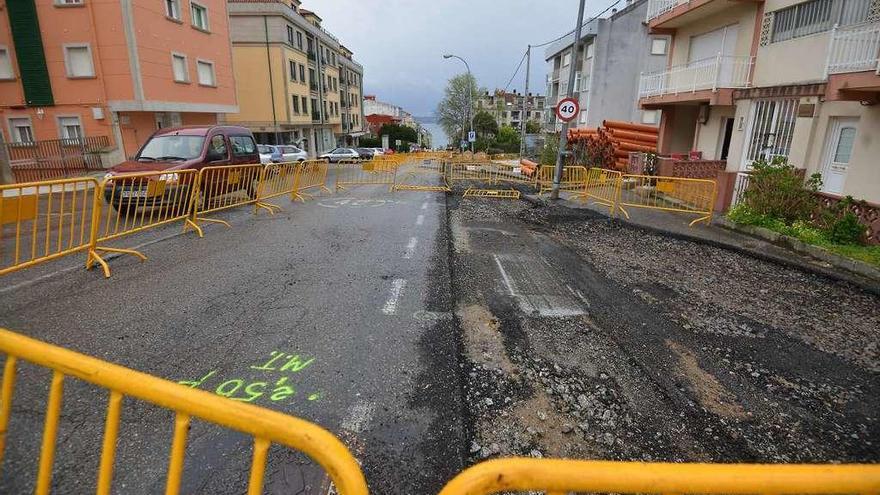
x=400 y=43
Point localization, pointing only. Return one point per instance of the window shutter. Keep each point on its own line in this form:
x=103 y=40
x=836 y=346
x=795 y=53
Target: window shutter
x=29 y=52
x=80 y=61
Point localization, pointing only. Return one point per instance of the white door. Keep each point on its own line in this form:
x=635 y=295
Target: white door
x=839 y=145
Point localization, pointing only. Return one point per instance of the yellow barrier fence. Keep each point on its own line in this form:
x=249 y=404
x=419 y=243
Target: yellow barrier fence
x=423 y=176
x=312 y=174
x=573 y=178
x=457 y=172
x=373 y=172
x=225 y=187
x=505 y=172
x=559 y=477
x=669 y=194
x=138 y=202
x=264 y=425
x=279 y=179
x=602 y=186
x=41 y=221
x=491 y=193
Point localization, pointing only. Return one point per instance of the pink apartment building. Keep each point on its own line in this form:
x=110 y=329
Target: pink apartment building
x=114 y=68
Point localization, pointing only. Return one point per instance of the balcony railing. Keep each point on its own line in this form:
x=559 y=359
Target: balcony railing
x=707 y=74
x=854 y=49
x=656 y=8
x=316 y=117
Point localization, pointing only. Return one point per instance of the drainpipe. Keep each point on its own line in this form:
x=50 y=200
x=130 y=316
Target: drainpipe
x=271 y=83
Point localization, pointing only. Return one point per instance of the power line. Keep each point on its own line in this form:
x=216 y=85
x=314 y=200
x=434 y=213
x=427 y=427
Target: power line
x=582 y=25
x=515 y=72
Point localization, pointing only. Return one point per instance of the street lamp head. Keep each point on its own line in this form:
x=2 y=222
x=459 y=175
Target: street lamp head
x=447 y=56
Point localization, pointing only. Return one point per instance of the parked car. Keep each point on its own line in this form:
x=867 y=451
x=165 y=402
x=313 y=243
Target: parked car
x=378 y=151
x=290 y=153
x=268 y=154
x=180 y=148
x=365 y=153
x=341 y=154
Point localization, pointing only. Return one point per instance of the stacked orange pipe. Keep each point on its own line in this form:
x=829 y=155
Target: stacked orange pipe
x=626 y=137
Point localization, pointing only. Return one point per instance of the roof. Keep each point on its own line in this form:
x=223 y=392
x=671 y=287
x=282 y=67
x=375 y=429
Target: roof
x=305 y=12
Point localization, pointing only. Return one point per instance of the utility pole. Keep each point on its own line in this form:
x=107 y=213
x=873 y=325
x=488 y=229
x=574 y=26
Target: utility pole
x=563 y=137
x=525 y=111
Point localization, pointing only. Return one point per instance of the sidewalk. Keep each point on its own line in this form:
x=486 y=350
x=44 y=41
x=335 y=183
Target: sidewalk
x=676 y=225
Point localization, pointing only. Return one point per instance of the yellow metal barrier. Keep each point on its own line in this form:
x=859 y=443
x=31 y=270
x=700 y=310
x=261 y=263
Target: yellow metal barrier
x=573 y=178
x=558 y=477
x=312 y=174
x=41 y=221
x=603 y=187
x=669 y=194
x=373 y=172
x=505 y=172
x=422 y=176
x=466 y=171
x=491 y=193
x=279 y=179
x=224 y=187
x=137 y=202
x=264 y=425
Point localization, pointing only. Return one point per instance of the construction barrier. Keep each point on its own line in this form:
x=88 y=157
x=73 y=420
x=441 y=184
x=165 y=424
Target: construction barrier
x=279 y=179
x=515 y=174
x=457 y=172
x=669 y=194
x=312 y=174
x=264 y=425
x=558 y=477
x=138 y=202
x=603 y=187
x=224 y=187
x=573 y=178
x=41 y=221
x=373 y=172
x=491 y=193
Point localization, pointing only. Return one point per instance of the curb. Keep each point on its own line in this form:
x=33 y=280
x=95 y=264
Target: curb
x=866 y=283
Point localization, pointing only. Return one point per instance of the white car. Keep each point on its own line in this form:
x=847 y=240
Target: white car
x=290 y=153
x=268 y=154
x=378 y=151
x=341 y=154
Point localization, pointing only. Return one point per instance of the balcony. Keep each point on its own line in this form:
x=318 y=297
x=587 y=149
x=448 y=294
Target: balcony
x=670 y=14
x=313 y=86
x=311 y=55
x=853 y=64
x=697 y=81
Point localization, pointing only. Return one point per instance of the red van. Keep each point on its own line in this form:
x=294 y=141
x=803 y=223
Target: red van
x=180 y=148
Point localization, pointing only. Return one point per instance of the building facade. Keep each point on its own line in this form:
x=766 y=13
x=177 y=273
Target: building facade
x=612 y=53
x=83 y=68
x=507 y=108
x=296 y=83
x=776 y=78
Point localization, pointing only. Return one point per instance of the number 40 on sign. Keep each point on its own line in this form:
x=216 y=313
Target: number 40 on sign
x=567 y=109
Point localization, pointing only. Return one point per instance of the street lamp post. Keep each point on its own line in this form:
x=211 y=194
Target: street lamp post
x=470 y=95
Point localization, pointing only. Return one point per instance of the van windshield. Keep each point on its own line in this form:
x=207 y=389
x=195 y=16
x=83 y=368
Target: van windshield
x=172 y=147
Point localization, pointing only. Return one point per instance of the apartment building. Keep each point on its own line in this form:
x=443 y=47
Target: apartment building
x=775 y=78
x=297 y=84
x=82 y=68
x=611 y=54
x=507 y=108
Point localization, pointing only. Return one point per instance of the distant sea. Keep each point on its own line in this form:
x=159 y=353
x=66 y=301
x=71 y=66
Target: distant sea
x=438 y=136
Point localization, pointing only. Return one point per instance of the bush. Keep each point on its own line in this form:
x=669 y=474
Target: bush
x=847 y=230
x=551 y=148
x=777 y=190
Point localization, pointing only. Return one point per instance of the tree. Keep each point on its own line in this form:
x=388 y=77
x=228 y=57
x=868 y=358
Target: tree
x=454 y=110
x=403 y=133
x=507 y=139
x=485 y=124
x=532 y=127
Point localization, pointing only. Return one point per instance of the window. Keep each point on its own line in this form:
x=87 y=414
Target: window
x=218 y=147
x=68 y=2
x=299 y=40
x=817 y=16
x=566 y=59
x=242 y=145
x=588 y=54
x=658 y=46
x=292 y=65
x=650 y=117
x=305 y=104
x=577 y=82
x=5 y=64
x=78 y=60
x=206 y=73
x=302 y=73
x=583 y=117
x=178 y=67
x=290 y=35
x=21 y=131
x=172 y=9
x=199 y=16
x=296 y=104
x=69 y=128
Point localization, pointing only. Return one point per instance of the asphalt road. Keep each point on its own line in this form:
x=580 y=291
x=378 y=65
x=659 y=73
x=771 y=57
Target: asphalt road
x=355 y=284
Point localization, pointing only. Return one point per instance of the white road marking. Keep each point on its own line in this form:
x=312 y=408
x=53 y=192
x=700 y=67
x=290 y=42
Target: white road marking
x=507 y=280
x=425 y=205
x=410 y=248
x=420 y=219
x=359 y=417
x=397 y=286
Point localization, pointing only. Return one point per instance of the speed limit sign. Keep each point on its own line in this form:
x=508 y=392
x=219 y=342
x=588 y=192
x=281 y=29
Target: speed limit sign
x=567 y=109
